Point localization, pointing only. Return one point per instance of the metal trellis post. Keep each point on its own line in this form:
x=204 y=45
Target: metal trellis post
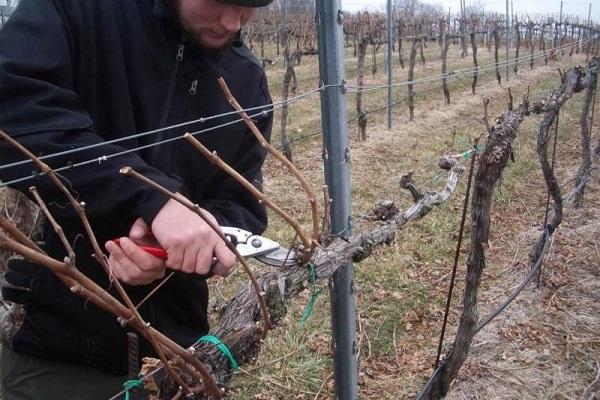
x=389 y=61
x=588 y=21
x=559 y=30
x=330 y=20
x=512 y=25
x=560 y=16
x=507 y=40
x=284 y=25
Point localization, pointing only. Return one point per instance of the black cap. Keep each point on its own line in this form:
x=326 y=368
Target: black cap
x=248 y=3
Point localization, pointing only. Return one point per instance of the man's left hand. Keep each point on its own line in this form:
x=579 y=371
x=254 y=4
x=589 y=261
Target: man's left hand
x=129 y=263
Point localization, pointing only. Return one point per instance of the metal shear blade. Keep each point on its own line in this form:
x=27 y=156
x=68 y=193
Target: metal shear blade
x=279 y=258
x=263 y=249
x=248 y=245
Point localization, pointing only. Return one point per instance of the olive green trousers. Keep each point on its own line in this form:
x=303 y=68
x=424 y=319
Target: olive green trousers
x=29 y=378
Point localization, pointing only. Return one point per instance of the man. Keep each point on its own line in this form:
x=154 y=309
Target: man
x=83 y=74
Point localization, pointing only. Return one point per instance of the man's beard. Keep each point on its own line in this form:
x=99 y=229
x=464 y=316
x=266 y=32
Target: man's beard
x=196 y=41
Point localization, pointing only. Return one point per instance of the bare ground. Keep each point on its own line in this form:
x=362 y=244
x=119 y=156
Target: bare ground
x=547 y=343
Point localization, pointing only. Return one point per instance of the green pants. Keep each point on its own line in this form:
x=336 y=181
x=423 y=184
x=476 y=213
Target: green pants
x=29 y=378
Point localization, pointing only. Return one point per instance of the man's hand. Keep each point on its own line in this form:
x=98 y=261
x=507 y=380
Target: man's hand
x=190 y=242
x=129 y=263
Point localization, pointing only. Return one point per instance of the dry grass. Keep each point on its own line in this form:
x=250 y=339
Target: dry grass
x=401 y=289
x=548 y=343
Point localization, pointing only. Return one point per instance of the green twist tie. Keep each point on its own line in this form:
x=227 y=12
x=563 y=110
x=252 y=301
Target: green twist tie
x=477 y=150
x=131 y=384
x=469 y=154
x=464 y=143
x=221 y=346
x=308 y=310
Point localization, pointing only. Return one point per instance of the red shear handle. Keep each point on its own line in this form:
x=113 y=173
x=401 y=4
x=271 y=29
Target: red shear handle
x=159 y=252
x=154 y=251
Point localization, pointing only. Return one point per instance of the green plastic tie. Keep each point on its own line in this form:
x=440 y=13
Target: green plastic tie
x=468 y=154
x=314 y=295
x=132 y=384
x=221 y=346
x=464 y=143
x=477 y=150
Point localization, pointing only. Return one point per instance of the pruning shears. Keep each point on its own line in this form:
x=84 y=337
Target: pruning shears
x=248 y=245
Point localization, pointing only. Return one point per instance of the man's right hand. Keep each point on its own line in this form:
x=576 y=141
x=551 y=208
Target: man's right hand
x=190 y=242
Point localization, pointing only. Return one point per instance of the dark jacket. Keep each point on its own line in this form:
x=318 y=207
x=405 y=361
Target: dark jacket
x=80 y=72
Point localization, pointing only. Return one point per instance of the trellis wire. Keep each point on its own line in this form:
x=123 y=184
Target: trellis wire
x=103 y=158
x=404 y=98
x=265 y=108
x=366 y=88
x=384 y=107
x=523 y=59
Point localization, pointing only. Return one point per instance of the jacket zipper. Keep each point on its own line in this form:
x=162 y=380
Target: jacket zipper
x=170 y=93
x=194 y=87
x=180 y=51
x=173 y=81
